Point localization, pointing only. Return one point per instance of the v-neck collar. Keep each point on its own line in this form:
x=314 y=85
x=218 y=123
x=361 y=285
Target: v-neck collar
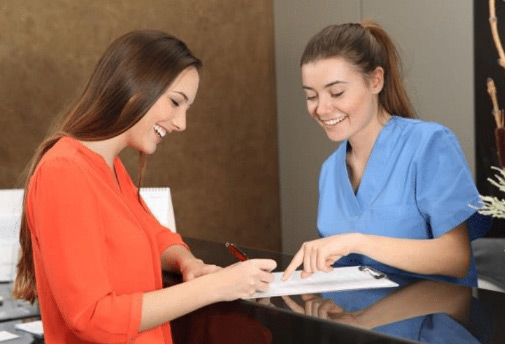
x=373 y=177
x=98 y=161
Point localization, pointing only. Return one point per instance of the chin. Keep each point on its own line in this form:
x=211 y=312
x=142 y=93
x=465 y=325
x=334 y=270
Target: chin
x=148 y=150
x=335 y=137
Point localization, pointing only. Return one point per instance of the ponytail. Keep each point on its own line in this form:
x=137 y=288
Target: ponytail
x=393 y=97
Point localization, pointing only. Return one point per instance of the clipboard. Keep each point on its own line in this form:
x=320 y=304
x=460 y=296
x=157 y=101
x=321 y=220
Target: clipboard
x=339 y=279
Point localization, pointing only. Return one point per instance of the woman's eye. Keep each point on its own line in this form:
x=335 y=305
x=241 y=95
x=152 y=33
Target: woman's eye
x=336 y=95
x=310 y=97
x=174 y=102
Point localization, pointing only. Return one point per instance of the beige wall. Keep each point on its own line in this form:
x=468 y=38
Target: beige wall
x=435 y=40
x=223 y=170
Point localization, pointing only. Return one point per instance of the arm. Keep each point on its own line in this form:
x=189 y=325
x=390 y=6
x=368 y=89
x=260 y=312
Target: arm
x=447 y=255
x=421 y=298
x=417 y=299
x=236 y=281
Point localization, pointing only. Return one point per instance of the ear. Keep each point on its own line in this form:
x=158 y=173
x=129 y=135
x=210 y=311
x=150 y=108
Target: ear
x=376 y=80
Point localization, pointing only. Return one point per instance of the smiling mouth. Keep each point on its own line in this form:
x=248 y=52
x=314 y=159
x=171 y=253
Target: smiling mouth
x=333 y=122
x=160 y=130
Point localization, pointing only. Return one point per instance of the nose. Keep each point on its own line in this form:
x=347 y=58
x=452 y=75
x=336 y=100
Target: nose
x=324 y=106
x=179 y=121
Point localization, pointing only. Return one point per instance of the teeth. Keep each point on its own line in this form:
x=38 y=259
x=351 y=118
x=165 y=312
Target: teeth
x=332 y=122
x=160 y=130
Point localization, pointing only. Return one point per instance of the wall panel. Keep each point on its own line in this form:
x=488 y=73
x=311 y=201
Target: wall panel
x=223 y=170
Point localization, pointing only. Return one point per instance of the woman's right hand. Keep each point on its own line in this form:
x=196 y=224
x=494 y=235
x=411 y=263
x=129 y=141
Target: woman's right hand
x=241 y=280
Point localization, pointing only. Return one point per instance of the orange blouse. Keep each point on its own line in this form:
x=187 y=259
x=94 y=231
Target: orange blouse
x=95 y=249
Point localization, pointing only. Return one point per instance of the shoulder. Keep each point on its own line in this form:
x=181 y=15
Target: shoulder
x=61 y=156
x=421 y=128
x=419 y=134
x=66 y=162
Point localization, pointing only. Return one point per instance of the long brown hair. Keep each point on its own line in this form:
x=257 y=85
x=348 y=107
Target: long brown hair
x=134 y=71
x=367 y=46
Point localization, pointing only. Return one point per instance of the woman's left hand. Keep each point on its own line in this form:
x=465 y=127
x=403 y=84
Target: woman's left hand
x=192 y=268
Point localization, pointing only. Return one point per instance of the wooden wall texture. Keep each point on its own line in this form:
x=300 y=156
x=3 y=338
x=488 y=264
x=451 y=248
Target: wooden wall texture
x=223 y=170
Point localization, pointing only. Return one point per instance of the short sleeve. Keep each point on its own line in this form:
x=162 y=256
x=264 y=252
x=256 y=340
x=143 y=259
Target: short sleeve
x=445 y=191
x=60 y=205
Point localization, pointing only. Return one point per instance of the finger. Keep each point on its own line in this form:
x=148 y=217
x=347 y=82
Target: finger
x=264 y=301
x=264 y=264
x=188 y=277
x=313 y=260
x=308 y=307
x=316 y=304
x=305 y=274
x=295 y=263
x=307 y=297
x=321 y=261
x=263 y=286
x=306 y=259
x=325 y=308
x=293 y=305
x=332 y=259
x=212 y=268
x=267 y=277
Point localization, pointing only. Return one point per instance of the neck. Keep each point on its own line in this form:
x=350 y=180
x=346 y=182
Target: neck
x=362 y=143
x=108 y=149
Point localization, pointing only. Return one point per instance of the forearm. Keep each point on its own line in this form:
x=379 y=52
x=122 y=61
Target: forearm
x=238 y=280
x=447 y=255
x=421 y=298
x=161 y=306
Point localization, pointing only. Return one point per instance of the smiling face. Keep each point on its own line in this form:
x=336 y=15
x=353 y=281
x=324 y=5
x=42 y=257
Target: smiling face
x=166 y=115
x=341 y=99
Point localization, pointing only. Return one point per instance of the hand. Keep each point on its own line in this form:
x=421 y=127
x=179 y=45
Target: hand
x=192 y=268
x=321 y=308
x=243 y=279
x=321 y=254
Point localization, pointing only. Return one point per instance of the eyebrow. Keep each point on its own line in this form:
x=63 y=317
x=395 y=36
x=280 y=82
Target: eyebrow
x=327 y=85
x=182 y=94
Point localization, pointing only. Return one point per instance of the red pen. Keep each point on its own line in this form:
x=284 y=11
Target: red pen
x=236 y=251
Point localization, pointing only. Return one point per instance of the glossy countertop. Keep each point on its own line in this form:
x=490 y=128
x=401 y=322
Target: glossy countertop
x=417 y=311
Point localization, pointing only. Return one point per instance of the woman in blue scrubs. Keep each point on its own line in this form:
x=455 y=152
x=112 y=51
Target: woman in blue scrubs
x=397 y=194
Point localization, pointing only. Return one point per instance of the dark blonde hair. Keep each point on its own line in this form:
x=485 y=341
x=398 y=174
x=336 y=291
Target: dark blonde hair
x=366 y=46
x=134 y=71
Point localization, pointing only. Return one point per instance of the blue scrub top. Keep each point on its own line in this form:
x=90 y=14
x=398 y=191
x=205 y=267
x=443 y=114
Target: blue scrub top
x=416 y=185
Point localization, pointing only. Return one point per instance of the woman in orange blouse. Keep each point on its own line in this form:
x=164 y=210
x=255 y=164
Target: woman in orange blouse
x=91 y=251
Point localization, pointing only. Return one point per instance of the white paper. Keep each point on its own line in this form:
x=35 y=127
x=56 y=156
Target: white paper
x=342 y=278
x=159 y=201
x=9 y=245
x=33 y=327
x=11 y=205
x=4 y=336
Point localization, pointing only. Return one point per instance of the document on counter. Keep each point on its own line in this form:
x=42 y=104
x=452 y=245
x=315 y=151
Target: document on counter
x=11 y=205
x=5 y=335
x=9 y=246
x=339 y=279
x=33 y=327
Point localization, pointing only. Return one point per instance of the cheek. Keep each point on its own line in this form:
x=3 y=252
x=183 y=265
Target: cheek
x=311 y=108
